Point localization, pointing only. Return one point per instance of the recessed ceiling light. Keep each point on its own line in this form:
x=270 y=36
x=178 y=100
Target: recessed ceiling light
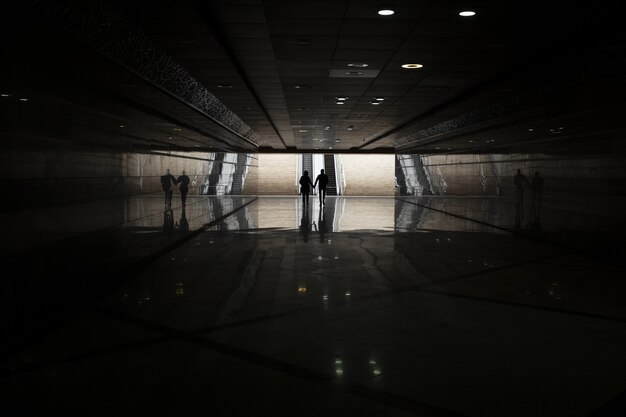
x=531 y=130
x=353 y=73
x=302 y=130
x=412 y=66
x=224 y=86
x=358 y=65
x=301 y=86
x=350 y=127
x=341 y=98
x=177 y=129
x=23 y=99
x=337 y=140
x=121 y=125
x=5 y=95
x=380 y=99
x=375 y=103
x=386 y=10
x=330 y=147
x=340 y=102
x=467 y=13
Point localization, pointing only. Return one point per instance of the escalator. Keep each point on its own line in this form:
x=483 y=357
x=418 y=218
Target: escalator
x=329 y=169
x=214 y=175
x=307 y=164
x=238 y=179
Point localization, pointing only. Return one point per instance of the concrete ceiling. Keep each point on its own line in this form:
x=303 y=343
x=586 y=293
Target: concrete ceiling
x=279 y=66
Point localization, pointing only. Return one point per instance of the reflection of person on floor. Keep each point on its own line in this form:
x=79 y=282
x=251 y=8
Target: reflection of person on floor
x=305 y=226
x=323 y=181
x=305 y=187
x=537 y=197
x=321 y=222
x=183 y=224
x=167 y=181
x=183 y=180
x=168 y=222
x=519 y=180
x=537 y=190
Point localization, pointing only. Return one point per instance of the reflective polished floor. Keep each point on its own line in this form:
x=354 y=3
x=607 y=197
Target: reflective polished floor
x=363 y=306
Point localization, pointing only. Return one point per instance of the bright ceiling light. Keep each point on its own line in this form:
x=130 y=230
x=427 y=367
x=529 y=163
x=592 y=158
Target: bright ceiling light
x=375 y=103
x=467 y=13
x=380 y=99
x=341 y=98
x=385 y=11
x=358 y=65
x=412 y=66
x=340 y=102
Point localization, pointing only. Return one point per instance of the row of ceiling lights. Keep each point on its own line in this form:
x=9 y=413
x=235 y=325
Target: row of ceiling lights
x=383 y=11
x=388 y=10
x=342 y=100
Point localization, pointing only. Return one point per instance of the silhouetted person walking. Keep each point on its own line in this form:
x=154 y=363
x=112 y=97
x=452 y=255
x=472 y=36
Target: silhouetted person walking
x=519 y=180
x=167 y=181
x=184 y=181
x=305 y=187
x=323 y=181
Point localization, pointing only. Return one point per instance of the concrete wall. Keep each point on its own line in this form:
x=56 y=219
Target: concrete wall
x=368 y=175
x=277 y=174
x=461 y=174
x=251 y=183
x=142 y=172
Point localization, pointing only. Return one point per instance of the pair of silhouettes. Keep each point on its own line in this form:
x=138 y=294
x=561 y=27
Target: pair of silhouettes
x=306 y=184
x=168 y=180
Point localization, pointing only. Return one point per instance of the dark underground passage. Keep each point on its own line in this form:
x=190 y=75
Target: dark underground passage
x=455 y=247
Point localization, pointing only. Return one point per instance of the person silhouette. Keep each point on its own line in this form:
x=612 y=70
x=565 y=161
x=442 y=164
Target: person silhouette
x=305 y=187
x=184 y=181
x=167 y=181
x=519 y=180
x=323 y=181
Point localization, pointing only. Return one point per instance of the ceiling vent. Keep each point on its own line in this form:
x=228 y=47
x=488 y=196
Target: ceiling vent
x=353 y=73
